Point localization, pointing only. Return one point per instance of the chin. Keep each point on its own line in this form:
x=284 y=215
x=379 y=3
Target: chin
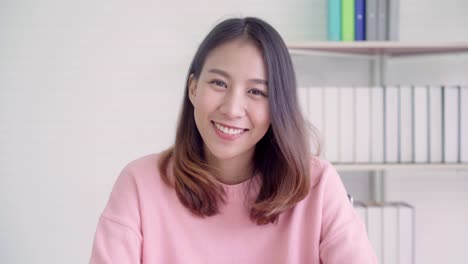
x=223 y=154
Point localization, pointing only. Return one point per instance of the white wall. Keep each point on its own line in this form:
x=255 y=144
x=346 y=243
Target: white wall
x=87 y=86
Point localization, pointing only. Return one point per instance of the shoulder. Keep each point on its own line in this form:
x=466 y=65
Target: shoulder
x=328 y=189
x=321 y=171
x=326 y=184
x=137 y=176
x=143 y=164
x=144 y=168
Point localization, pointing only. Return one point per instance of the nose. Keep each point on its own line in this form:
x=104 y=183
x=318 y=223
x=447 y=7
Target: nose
x=234 y=104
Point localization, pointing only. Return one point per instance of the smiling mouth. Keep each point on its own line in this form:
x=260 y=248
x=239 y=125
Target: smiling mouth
x=229 y=130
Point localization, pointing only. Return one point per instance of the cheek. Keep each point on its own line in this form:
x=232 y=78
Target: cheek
x=198 y=110
x=262 y=116
x=201 y=104
x=207 y=100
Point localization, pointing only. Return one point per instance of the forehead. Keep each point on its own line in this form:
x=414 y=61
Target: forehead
x=240 y=57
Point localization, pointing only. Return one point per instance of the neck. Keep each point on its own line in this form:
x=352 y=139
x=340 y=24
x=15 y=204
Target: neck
x=232 y=171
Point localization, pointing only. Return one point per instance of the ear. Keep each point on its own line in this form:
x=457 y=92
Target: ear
x=192 y=88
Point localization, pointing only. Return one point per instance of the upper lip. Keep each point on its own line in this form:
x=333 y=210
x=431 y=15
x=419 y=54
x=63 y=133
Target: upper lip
x=229 y=126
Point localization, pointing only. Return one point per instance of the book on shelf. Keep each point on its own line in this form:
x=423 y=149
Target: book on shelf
x=463 y=103
x=360 y=20
x=389 y=233
x=393 y=20
x=406 y=233
x=374 y=229
x=406 y=121
x=331 y=125
x=347 y=123
x=450 y=123
x=435 y=124
x=347 y=20
x=362 y=132
x=391 y=130
x=361 y=211
x=303 y=99
x=420 y=124
x=316 y=104
x=334 y=20
x=371 y=20
x=391 y=230
x=377 y=124
x=382 y=23
x=395 y=124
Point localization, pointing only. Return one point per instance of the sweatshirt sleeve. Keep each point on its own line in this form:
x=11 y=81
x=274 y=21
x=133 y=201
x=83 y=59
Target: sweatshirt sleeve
x=118 y=236
x=343 y=235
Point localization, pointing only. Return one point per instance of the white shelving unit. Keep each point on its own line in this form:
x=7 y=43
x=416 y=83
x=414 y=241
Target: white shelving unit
x=378 y=53
x=389 y=48
x=401 y=166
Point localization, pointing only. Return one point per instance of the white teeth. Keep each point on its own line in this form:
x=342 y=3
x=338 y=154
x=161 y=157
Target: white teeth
x=229 y=131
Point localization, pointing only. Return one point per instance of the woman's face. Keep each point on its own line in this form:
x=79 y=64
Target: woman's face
x=230 y=100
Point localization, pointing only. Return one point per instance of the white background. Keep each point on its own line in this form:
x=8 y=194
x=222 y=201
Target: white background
x=87 y=86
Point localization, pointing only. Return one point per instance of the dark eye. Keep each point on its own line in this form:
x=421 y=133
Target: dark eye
x=219 y=83
x=257 y=92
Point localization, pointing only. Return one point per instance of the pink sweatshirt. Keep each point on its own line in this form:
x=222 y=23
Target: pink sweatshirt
x=144 y=222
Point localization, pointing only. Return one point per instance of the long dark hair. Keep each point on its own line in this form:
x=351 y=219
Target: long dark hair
x=282 y=156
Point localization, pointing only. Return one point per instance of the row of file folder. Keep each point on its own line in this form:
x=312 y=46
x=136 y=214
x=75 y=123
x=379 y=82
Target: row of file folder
x=389 y=124
x=391 y=230
x=359 y=20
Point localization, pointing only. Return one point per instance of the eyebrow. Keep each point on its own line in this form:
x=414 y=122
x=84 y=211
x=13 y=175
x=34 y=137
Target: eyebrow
x=226 y=75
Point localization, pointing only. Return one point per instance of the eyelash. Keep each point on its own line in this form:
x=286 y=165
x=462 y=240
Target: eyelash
x=252 y=91
x=218 y=81
x=257 y=92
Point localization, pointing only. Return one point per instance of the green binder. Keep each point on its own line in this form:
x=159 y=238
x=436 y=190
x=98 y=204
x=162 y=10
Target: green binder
x=347 y=20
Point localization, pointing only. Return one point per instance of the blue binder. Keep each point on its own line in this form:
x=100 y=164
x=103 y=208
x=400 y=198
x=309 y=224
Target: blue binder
x=360 y=20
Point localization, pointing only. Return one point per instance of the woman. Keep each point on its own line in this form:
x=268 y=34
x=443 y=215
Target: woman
x=239 y=185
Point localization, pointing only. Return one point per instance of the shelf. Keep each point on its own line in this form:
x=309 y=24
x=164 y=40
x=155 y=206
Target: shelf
x=401 y=166
x=381 y=47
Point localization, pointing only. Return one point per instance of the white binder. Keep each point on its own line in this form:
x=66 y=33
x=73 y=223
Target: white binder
x=347 y=123
x=377 y=124
x=435 y=124
x=331 y=123
x=316 y=106
x=391 y=124
x=374 y=229
x=464 y=124
x=390 y=234
x=406 y=234
x=421 y=124
x=303 y=97
x=362 y=126
x=450 y=122
x=406 y=124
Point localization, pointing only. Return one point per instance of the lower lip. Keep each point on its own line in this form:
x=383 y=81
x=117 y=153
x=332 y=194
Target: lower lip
x=227 y=136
